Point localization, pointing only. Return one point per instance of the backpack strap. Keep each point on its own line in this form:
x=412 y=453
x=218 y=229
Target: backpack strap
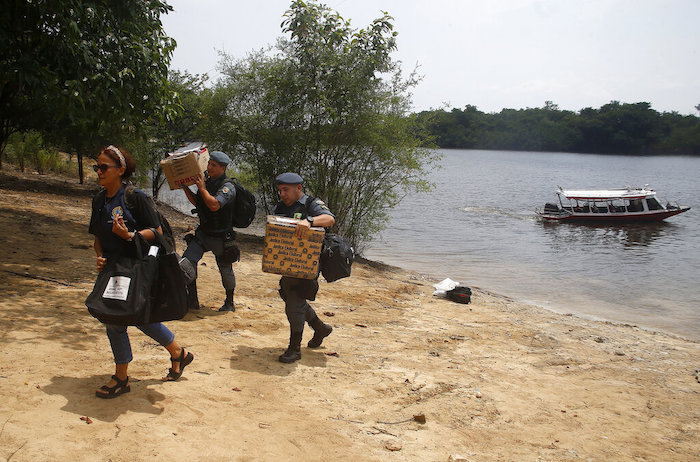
x=130 y=201
x=99 y=198
x=129 y=196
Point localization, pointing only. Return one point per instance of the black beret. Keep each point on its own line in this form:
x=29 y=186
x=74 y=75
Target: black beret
x=289 y=178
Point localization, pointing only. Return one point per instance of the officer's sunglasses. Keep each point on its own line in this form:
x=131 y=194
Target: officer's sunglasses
x=102 y=167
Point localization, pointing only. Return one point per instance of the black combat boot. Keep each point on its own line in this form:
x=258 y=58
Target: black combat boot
x=192 y=299
x=293 y=352
x=228 y=303
x=321 y=331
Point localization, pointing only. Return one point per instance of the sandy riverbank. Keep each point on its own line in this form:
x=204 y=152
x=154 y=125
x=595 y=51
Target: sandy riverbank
x=495 y=380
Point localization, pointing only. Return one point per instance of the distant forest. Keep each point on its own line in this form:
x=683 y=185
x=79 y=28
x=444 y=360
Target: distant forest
x=615 y=128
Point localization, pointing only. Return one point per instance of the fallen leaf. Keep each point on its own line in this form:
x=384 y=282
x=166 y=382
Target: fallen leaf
x=393 y=445
x=360 y=325
x=332 y=354
x=329 y=314
x=420 y=418
x=236 y=389
x=264 y=425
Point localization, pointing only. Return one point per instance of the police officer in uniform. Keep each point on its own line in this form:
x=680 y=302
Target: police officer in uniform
x=214 y=201
x=294 y=291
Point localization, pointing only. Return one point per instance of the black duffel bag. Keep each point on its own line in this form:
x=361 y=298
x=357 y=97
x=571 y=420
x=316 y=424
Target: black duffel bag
x=122 y=291
x=169 y=296
x=336 y=259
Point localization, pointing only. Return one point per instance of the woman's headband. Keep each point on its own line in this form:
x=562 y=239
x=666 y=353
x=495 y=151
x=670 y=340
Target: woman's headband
x=119 y=154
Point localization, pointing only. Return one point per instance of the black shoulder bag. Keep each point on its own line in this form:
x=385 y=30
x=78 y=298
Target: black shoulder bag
x=337 y=254
x=122 y=291
x=169 y=296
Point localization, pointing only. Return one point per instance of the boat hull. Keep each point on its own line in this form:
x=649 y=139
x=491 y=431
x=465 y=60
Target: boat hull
x=646 y=217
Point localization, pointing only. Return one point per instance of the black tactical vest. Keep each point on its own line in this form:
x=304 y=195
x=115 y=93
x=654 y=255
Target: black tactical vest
x=221 y=220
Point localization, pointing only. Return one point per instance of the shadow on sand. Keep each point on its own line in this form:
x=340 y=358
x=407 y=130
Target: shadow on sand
x=79 y=393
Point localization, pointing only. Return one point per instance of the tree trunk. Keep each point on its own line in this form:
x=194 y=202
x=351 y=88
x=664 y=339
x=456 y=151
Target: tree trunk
x=80 y=167
x=4 y=138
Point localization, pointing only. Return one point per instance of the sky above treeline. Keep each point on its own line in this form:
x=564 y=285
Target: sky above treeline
x=489 y=54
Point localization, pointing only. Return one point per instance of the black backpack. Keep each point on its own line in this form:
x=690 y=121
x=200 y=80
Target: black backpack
x=244 y=207
x=164 y=224
x=460 y=294
x=337 y=254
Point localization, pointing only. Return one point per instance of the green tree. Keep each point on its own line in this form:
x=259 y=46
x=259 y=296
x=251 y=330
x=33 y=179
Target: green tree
x=683 y=134
x=83 y=72
x=25 y=147
x=632 y=128
x=332 y=105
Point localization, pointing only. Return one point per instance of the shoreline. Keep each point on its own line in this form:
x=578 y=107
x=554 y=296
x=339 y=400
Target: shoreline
x=404 y=375
x=550 y=309
x=561 y=308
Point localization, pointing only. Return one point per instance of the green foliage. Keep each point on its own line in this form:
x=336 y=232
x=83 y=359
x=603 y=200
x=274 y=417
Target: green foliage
x=328 y=103
x=245 y=175
x=27 y=151
x=83 y=72
x=614 y=128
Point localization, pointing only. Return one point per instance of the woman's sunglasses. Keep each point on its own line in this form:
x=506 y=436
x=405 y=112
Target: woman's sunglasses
x=102 y=167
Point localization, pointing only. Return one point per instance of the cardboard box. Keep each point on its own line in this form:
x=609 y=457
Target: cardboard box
x=288 y=255
x=182 y=166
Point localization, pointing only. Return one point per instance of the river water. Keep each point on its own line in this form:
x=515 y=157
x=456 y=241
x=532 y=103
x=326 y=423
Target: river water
x=478 y=227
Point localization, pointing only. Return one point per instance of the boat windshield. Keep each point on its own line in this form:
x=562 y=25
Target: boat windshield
x=653 y=204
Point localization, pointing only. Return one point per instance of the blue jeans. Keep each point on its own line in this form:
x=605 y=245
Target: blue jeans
x=119 y=339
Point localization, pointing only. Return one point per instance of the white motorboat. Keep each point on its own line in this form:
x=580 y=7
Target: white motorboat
x=627 y=205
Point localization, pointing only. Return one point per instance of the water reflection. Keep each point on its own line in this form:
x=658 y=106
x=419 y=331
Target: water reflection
x=630 y=235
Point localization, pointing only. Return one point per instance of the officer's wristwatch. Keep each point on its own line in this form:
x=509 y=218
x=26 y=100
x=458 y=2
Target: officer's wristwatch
x=310 y=220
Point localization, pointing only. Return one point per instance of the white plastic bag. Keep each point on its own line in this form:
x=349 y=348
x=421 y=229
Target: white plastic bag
x=443 y=286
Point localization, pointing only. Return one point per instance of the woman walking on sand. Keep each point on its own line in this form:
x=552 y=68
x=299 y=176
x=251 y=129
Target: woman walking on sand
x=114 y=227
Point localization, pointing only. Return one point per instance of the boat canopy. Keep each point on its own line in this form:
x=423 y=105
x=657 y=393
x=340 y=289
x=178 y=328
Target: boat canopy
x=603 y=194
